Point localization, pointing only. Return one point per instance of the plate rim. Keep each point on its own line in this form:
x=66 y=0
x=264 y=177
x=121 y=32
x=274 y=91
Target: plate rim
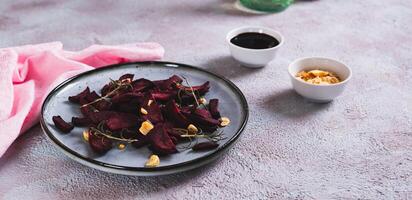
x=210 y=156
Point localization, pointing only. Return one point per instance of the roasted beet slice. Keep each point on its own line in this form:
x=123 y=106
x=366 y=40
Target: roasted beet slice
x=129 y=98
x=103 y=105
x=128 y=102
x=198 y=90
x=99 y=144
x=160 y=141
x=203 y=119
x=142 y=85
x=168 y=84
x=174 y=79
x=141 y=143
x=127 y=76
x=82 y=95
x=92 y=96
x=164 y=96
x=174 y=133
x=118 y=121
x=110 y=86
x=154 y=114
x=174 y=115
x=204 y=146
x=86 y=110
x=143 y=139
x=126 y=108
x=107 y=88
x=185 y=93
x=81 y=122
x=213 y=108
x=203 y=113
x=97 y=117
x=61 y=124
x=174 y=139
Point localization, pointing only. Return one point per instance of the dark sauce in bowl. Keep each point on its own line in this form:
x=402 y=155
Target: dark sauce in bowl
x=253 y=40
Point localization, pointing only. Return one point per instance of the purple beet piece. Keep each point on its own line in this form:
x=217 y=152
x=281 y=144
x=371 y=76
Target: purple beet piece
x=204 y=146
x=187 y=98
x=120 y=121
x=107 y=88
x=92 y=96
x=204 y=113
x=154 y=114
x=160 y=141
x=110 y=86
x=82 y=95
x=81 y=122
x=97 y=117
x=203 y=119
x=143 y=140
x=174 y=139
x=129 y=98
x=99 y=144
x=168 y=84
x=173 y=133
x=141 y=85
x=140 y=143
x=86 y=110
x=198 y=90
x=103 y=105
x=164 y=96
x=174 y=115
x=61 y=124
x=127 y=76
x=214 y=108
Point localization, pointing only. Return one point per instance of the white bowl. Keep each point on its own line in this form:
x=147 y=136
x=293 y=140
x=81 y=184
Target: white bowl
x=254 y=58
x=319 y=93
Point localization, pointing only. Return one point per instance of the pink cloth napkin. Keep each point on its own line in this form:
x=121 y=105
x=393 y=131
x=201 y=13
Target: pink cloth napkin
x=27 y=73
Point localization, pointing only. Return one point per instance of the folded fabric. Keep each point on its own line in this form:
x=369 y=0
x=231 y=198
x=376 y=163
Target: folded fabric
x=28 y=73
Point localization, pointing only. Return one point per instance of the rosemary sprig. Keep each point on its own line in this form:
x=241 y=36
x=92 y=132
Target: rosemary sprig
x=214 y=137
x=119 y=85
x=191 y=90
x=108 y=134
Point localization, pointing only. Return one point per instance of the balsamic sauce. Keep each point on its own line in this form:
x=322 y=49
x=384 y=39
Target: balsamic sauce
x=253 y=40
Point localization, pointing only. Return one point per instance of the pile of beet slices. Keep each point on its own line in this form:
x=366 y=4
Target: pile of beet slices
x=169 y=105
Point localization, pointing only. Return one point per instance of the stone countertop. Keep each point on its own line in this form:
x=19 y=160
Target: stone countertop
x=357 y=147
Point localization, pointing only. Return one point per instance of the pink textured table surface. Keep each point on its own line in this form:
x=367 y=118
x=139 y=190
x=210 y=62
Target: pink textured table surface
x=357 y=147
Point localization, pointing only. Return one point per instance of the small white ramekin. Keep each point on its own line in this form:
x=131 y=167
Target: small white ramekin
x=254 y=58
x=319 y=93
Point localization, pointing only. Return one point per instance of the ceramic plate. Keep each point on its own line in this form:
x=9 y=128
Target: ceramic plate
x=130 y=161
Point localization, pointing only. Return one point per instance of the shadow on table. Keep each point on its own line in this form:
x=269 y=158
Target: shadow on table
x=228 y=67
x=81 y=178
x=138 y=187
x=290 y=104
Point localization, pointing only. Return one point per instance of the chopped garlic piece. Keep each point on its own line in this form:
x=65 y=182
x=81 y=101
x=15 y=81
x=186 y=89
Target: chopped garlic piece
x=153 y=161
x=192 y=129
x=224 y=121
x=143 y=111
x=146 y=127
x=86 y=135
x=121 y=146
x=202 y=101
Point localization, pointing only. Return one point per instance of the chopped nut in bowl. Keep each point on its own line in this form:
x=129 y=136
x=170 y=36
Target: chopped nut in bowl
x=319 y=79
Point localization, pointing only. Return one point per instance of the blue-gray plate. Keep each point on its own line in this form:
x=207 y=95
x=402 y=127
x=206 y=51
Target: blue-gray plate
x=130 y=161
